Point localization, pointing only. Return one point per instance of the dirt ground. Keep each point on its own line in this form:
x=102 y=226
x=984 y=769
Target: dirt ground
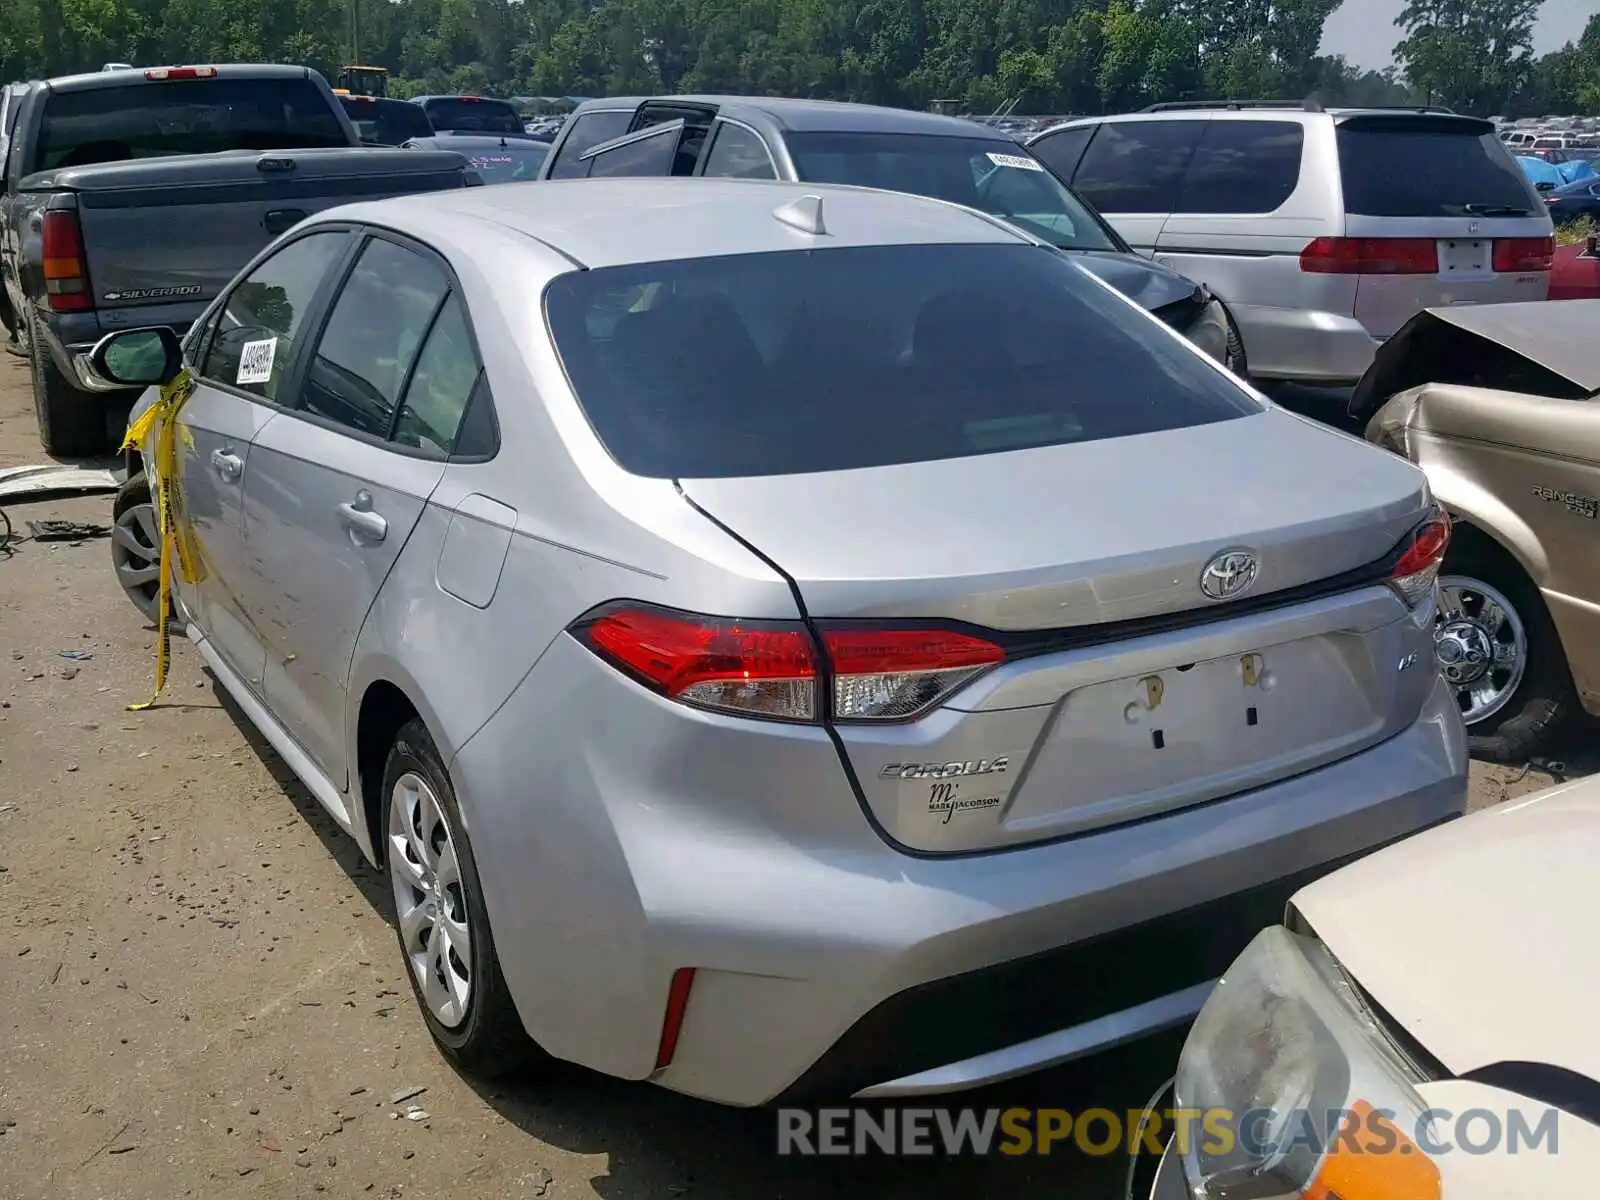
x=200 y=994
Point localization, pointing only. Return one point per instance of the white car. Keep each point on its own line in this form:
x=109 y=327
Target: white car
x=1442 y=989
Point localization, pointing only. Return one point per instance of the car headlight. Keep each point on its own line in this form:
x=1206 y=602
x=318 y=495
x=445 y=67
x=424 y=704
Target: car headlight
x=1210 y=331
x=1315 y=1100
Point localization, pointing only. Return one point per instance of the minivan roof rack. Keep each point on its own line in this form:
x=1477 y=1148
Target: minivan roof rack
x=1309 y=104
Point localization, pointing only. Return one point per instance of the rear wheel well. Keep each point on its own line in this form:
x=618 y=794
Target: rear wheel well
x=1469 y=541
x=384 y=709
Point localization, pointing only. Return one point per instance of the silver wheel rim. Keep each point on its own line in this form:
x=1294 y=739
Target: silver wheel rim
x=1481 y=646
x=136 y=554
x=430 y=899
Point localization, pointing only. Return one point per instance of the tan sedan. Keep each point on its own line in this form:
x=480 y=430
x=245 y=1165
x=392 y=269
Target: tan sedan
x=1500 y=405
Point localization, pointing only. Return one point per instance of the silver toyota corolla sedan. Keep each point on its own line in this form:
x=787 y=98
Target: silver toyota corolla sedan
x=789 y=640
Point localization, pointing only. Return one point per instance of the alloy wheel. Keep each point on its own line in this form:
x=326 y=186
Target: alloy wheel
x=136 y=555
x=1481 y=645
x=430 y=899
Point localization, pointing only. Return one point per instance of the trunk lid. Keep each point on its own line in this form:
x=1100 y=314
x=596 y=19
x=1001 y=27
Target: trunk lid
x=175 y=230
x=1444 y=179
x=1085 y=562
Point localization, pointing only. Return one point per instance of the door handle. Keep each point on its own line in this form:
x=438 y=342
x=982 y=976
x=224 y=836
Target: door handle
x=361 y=521
x=228 y=464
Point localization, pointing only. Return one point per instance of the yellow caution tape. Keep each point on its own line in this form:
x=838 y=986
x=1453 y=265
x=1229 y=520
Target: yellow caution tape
x=162 y=416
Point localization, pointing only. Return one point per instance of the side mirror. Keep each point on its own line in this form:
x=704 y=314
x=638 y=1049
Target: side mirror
x=138 y=357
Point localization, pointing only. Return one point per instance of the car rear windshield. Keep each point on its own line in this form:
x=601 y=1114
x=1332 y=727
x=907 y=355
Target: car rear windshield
x=503 y=162
x=1428 y=167
x=491 y=116
x=196 y=116
x=996 y=177
x=387 y=121
x=751 y=365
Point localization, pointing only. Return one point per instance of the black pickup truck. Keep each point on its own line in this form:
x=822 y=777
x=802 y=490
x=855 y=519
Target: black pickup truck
x=133 y=196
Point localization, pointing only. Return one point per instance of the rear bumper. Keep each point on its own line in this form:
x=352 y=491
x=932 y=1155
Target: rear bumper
x=1304 y=345
x=616 y=847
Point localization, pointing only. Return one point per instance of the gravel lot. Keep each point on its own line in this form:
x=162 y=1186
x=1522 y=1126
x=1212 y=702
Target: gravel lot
x=200 y=994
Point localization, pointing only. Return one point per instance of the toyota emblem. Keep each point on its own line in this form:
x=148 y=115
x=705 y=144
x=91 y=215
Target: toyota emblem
x=1229 y=574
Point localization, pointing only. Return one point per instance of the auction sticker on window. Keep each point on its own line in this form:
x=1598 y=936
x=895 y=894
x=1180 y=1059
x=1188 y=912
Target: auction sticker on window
x=255 y=361
x=1021 y=161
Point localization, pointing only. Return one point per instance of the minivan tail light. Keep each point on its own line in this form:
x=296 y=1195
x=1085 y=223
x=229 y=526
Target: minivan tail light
x=891 y=674
x=66 y=274
x=1370 y=256
x=1524 y=254
x=1417 y=568
x=772 y=669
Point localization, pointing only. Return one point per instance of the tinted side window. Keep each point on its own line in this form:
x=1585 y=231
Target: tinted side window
x=1242 y=167
x=1061 y=151
x=652 y=154
x=265 y=314
x=1135 y=166
x=588 y=131
x=372 y=337
x=738 y=153
x=440 y=387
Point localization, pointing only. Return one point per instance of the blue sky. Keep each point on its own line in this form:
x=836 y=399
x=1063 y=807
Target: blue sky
x=1363 y=30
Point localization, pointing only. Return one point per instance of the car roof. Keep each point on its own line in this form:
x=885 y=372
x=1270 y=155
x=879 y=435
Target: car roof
x=461 y=96
x=1291 y=114
x=612 y=222
x=447 y=139
x=815 y=116
x=93 y=79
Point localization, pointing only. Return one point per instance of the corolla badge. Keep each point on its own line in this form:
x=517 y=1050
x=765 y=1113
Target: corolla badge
x=1229 y=574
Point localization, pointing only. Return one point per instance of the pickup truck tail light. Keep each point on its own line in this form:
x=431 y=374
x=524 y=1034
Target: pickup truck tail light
x=775 y=670
x=1370 y=256
x=66 y=272
x=1524 y=254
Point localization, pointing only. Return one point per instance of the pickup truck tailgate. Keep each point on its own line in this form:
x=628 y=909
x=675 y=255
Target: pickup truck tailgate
x=174 y=231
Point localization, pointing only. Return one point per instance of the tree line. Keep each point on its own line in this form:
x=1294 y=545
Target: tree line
x=1042 y=56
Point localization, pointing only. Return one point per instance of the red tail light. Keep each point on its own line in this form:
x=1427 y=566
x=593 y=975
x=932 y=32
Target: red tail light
x=1524 y=254
x=672 y=1021
x=1371 y=256
x=164 y=74
x=1418 y=565
x=772 y=669
x=66 y=273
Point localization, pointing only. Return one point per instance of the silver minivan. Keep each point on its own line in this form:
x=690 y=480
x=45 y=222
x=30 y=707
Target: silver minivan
x=1321 y=231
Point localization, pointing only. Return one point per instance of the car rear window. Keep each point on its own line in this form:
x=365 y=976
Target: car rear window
x=1422 y=167
x=196 y=116
x=388 y=121
x=465 y=112
x=750 y=365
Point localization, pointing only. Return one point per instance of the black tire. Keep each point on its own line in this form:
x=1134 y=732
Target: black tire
x=490 y=1040
x=72 y=424
x=132 y=496
x=1545 y=698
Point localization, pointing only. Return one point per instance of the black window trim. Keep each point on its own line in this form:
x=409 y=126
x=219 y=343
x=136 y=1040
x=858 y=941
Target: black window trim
x=711 y=144
x=324 y=312
x=675 y=127
x=326 y=287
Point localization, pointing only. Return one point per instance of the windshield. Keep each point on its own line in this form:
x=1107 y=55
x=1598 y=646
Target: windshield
x=996 y=177
x=503 y=162
x=387 y=121
x=1429 y=167
x=198 y=116
x=749 y=364
x=467 y=112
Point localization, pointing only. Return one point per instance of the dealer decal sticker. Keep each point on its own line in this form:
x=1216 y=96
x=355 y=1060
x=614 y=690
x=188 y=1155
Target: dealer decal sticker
x=1021 y=161
x=255 y=362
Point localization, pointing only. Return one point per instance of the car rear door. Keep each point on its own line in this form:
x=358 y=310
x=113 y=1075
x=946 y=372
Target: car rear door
x=1130 y=172
x=248 y=348
x=1437 y=213
x=331 y=495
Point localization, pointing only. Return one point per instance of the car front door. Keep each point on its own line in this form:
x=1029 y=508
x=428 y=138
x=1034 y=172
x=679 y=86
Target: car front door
x=242 y=360
x=1130 y=172
x=336 y=485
